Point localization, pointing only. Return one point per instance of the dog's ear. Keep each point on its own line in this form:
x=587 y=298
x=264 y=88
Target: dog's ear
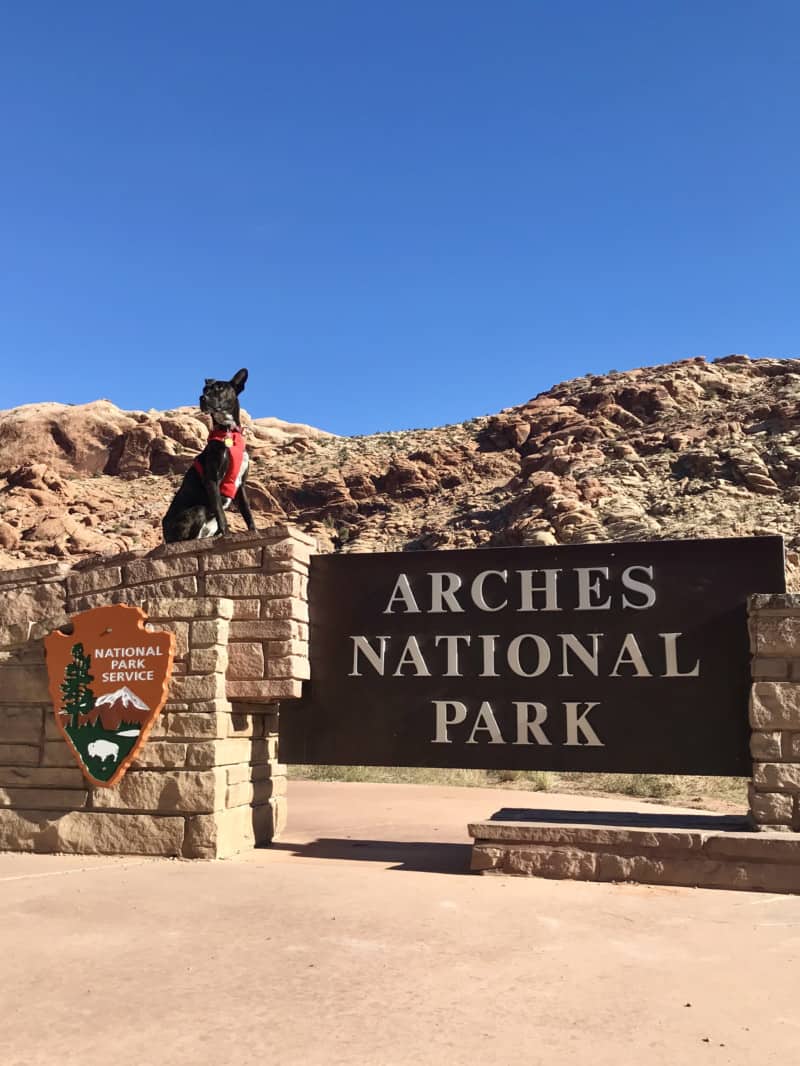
x=209 y=381
x=238 y=380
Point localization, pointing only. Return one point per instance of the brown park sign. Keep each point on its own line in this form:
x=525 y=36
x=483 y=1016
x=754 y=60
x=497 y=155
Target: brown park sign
x=596 y=657
x=108 y=682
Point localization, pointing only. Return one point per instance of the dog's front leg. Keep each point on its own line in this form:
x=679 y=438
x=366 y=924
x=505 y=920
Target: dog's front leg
x=244 y=507
x=215 y=505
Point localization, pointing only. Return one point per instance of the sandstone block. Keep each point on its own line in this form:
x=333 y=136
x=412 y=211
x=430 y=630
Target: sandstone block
x=32 y=611
x=294 y=607
x=245 y=661
x=246 y=609
x=197 y=607
x=147 y=570
x=216 y=706
x=771 y=808
x=99 y=577
x=200 y=837
x=23 y=684
x=249 y=586
x=765 y=746
x=168 y=792
x=242 y=559
x=19 y=755
x=43 y=799
x=241 y=773
x=51 y=731
x=730 y=873
x=754 y=847
x=256 y=585
x=289 y=548
x=221 y=752
x=56 y=753
x=239 y=828
x=211 y=660
x=256 y=792
x=279 y=649
x=89 y=833
x=119 y=834
x=775 y=601
x=33 y=575
x=777 y=636
x=268 y=691
x=791 y=745
x=279 y=784
x=195 y=726
x=584 y=837
x=161 y=754
x=770 y=669
x=775 y=705
x=278 y=629
x=27 y=654
x=285 y=585
x=285 y=566
x=279 y=809
x=227 y=832
x=486 y=857
x=21 y=725
x=295 y=666
x=776 y=777
x=259 y=753
x=241 y=794
x=207 y=632
x=176 y=588
x=244 y=725
x=197 y=687
x=41 y=777
x=180 y=629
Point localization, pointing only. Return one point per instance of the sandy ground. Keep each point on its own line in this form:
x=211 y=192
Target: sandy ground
x=361 y=938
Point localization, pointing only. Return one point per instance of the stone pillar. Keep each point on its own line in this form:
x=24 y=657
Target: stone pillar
x=264 y=573
x=775 y=711
x=207 y=782
x=205 y=785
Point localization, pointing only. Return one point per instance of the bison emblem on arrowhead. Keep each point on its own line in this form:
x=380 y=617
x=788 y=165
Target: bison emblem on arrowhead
x=108 y=680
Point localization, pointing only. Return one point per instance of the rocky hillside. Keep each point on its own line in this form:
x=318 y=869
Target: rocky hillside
x=690 y=449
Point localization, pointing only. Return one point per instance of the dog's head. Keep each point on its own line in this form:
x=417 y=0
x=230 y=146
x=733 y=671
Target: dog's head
x=220 y=399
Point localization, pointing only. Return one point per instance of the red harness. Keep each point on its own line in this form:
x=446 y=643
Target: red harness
x=233 y=439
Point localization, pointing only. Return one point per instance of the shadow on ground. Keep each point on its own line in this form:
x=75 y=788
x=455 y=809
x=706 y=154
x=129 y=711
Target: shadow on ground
x=449 y=858
x=421 y=857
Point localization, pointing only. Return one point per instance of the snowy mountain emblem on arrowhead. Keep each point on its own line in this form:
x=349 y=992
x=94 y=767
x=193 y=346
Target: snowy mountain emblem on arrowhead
x=104 y=723
x=124 y=696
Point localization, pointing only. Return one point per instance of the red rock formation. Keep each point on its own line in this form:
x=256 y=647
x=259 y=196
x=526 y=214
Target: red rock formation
x=687 y=449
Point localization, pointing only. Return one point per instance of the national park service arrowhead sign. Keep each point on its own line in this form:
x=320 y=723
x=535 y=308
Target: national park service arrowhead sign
x=108 y=682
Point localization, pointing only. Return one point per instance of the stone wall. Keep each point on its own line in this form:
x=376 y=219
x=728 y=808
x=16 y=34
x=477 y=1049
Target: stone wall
x=207 y=783
x=775 y=711
x=264 y=573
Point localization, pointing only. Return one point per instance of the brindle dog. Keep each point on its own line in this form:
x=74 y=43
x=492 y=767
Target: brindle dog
x=212 y=483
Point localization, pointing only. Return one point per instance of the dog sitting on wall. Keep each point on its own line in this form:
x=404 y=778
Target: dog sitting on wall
x=217 y=476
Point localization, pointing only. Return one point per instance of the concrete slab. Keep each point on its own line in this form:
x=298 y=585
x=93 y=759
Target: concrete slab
x=359 y=938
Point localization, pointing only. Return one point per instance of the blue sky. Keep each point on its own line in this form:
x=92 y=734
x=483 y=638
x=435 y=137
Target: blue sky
x=394 y=214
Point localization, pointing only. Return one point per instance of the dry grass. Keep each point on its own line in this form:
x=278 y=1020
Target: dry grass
x=709 y=793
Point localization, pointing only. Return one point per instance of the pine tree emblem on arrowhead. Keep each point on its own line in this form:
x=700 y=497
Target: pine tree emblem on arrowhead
x=109 y=679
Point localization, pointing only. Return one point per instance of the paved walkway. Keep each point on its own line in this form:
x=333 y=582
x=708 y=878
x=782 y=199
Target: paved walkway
x=359 y=938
